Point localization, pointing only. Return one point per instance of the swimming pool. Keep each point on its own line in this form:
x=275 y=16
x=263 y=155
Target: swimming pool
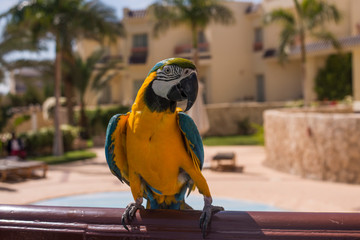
x=122 y=199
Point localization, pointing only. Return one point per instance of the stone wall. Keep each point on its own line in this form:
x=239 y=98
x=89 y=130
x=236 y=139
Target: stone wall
x=224 y=118
x=323 y=146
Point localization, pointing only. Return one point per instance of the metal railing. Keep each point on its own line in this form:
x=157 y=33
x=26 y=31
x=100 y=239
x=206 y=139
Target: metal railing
x=71 y=223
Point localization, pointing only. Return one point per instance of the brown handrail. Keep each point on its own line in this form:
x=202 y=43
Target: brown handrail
x=72 y=223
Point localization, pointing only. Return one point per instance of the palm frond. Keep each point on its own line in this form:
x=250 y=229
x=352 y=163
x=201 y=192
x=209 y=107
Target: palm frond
x=95 y=20
x=45 y=66
x=280 y=15
x=316 y=13
x=87 y=73
x=166 y=17
x=219 y=14
x=287 y=37
x=328 y=37
x=195 y=13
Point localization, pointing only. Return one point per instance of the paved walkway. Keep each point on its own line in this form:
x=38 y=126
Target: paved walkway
x=257 y=183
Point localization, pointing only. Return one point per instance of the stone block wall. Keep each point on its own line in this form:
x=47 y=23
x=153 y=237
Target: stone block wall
x=324 y=146
x=224 y=118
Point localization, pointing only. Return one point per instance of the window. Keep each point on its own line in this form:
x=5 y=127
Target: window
x=139 y=49
x=140 y=40
x=260 y=88
x=201 y=37
x=258 y=39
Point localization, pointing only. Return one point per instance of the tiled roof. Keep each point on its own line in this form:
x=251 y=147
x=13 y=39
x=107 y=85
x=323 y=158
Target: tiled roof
x=324 y=45
x=349 y=41
x=252 y=8
x=136 y=13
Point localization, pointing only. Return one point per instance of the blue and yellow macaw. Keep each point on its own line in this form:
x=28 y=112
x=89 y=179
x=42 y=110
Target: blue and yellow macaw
x=156 y=148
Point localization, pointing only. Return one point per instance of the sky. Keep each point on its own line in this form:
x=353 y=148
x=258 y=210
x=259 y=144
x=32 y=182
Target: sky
x=118 y=5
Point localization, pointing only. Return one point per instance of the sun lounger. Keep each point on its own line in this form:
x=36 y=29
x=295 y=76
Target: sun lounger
x=224 y=161
x=26 y=168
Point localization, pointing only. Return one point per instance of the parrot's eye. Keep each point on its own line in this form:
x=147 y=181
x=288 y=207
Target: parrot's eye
x=167 y=70
x=186 y=71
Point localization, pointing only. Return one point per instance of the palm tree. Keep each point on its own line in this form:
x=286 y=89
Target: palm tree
x=196 y=14
x=63 y=22
x=308 y=20
x=15 y=41
x=90 y=74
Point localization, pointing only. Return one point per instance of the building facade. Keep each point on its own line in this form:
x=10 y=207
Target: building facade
x=237 y=62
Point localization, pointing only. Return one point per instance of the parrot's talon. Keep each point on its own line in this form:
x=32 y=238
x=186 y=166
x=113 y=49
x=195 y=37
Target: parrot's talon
x=123 y=222
x=205 y=218
x=129 y=214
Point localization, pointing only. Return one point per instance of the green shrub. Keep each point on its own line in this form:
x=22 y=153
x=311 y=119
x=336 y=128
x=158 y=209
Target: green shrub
x=245 y=127
x=5 y=116
x=98 y=119
x=41 y=142
x=21 y=119
x=67 y=157
x=334 y=81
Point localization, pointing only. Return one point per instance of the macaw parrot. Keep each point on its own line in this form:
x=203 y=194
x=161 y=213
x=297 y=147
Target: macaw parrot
x=156 y=148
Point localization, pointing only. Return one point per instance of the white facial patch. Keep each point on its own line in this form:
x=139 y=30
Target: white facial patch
x=162 y=87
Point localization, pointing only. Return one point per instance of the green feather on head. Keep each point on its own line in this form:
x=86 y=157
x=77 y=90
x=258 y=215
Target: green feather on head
x=181 y=62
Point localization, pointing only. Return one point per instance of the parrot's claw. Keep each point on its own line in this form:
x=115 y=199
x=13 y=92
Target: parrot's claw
x=206 y=215
x=129 y=214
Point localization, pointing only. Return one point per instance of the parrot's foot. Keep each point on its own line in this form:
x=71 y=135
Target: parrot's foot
x=130 y=211
x=208 y=211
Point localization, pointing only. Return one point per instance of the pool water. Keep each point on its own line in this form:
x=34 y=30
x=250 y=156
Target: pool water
x=122 y=199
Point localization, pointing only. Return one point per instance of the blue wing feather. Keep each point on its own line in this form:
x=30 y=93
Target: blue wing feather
x=191 y=133
x=109 y=146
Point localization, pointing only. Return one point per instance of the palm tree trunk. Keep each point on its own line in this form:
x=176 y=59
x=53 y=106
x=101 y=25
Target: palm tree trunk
x=69 y=94
x=68 y=84
x=58 y=148
x=83 y=120
x=303 y=68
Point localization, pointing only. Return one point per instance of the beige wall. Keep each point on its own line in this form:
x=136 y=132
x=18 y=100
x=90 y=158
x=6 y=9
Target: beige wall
x=356 y=73
x=283 y=82
x=232 y=75
x=355 y=16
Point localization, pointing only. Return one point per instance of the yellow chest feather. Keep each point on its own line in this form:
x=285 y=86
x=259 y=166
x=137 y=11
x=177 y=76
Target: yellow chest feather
x=155 y=149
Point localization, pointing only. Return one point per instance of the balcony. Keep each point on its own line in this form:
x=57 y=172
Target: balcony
x=184 y=51
x=258 y=46
x=107 y=59
x=46 y=222
x=138 y=55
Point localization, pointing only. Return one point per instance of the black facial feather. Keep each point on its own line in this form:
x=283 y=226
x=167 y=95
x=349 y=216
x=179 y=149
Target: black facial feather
x=157 y=103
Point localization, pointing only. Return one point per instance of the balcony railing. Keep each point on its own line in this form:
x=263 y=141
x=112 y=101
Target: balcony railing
x=258 y=46
x=108 y=58
x=138 y=55
x=186 y=48
x=118 y=59
x=71 y=223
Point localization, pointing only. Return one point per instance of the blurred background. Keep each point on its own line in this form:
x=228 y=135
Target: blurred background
x=280 y=88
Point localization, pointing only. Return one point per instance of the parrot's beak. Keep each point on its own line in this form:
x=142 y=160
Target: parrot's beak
x=187 y=89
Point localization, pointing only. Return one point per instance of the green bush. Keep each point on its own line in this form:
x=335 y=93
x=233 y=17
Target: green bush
x=5 y=115
x=41 y=142
x=245 y=127
x=334 y=81
x=21 y=119
x=98 y=119
x=67 y=157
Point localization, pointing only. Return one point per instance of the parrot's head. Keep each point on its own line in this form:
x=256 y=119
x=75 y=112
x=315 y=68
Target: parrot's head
x=174 y=80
